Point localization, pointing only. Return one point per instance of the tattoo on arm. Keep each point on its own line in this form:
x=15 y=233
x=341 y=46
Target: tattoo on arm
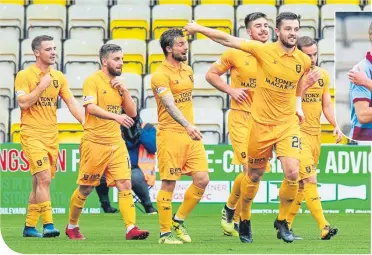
x=171 y=108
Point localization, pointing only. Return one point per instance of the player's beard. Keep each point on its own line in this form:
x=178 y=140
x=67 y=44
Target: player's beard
x=113 y=72
x=286 y=44
x=179 y=58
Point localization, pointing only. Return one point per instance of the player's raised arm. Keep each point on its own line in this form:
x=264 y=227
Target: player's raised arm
x=128 y=103
x=214 y=34
x=25 y=98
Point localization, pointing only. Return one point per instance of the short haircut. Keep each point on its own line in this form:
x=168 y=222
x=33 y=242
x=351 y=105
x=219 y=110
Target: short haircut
x=107 y=49
x=252 y=17
x=287 y=16
x=168 y=37
x=305 y=41
x=36 y=42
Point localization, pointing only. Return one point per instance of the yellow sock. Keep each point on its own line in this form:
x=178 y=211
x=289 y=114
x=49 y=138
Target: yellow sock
x=313 y=203
x=295 y=207
x=76 y=206
x=127 y=208
x=46 y=212
x=235 y=192
x=287 y=193
x=192 y=197
x=249 y=190
x=33 y=214
x=164 y=204
x=238 y=209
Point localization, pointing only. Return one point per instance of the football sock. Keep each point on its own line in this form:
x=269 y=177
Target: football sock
x=238 y=209
x=192 y=197
x=127 y=208
x=287 y=193
x=249 y=190
x=295 y=207
x=313 y=203
x=33 y=214
x=235 y=192
x=46 y=212
x=164 y=204
x=76 y=206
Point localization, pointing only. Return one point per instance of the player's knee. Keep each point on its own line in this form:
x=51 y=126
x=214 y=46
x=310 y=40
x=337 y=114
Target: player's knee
x=85 y=190
x=256 y=174
x=123 y=185
x=292 y=174
x=43 y=179
x=168 y=185
x=202 y=180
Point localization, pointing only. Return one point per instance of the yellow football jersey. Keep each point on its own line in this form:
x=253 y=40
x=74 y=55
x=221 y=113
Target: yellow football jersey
x=243 y=68
x=312 y=104
x=278 y=73
x=42 y=116
x=166 y=80
x=97 y=90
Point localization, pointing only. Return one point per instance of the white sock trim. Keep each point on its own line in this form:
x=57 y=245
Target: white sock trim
x=70 y=226
x=129 y=228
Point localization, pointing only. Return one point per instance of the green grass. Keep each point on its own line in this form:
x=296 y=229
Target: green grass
x=105 y=234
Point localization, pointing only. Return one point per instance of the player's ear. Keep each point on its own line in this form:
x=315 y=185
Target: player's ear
x=169 y=49
x=37 y=53
x=277 y=32
x=104 y=61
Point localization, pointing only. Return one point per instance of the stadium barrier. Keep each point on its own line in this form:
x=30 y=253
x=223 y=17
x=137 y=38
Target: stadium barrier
x=344 y=177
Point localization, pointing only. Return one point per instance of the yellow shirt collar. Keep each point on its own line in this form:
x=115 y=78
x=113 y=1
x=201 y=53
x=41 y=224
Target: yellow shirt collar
x=37 y=70
x=170 y=66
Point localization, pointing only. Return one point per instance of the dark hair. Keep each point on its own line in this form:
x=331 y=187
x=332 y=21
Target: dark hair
x=106 y=49
x=36 y=42
x=305 y=41
x=168 y=37
x=252 y=17
x=287 y=16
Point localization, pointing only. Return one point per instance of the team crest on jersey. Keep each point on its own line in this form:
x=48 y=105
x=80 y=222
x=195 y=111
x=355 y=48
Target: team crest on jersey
x=298 y=68
x=191 y=78
x=321 y=82
x=55 y=83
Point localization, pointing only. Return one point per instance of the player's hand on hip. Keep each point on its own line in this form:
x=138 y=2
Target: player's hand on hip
x=124 y=120
x=239 y=94
x=358 y=77
x=337 y=132
x=194 y=132
x=301 y=116
x=192 y=27
x=118 y=84
x=45 y=81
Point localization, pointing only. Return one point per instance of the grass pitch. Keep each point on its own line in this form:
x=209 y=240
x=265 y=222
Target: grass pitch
x=105 y=234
